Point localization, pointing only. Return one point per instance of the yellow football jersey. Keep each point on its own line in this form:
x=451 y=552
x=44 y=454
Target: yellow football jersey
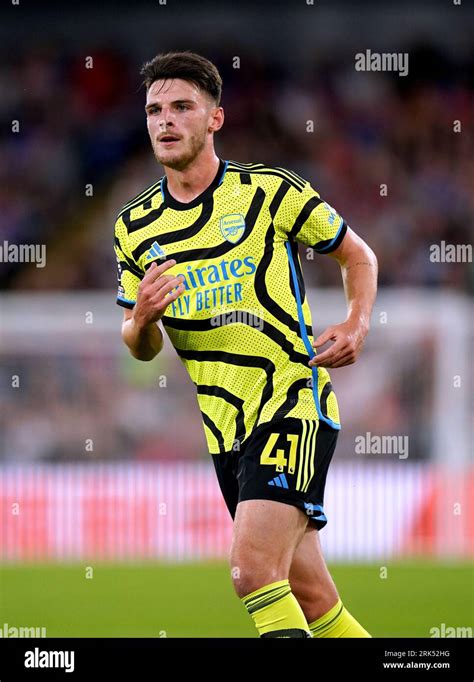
x=243 y=326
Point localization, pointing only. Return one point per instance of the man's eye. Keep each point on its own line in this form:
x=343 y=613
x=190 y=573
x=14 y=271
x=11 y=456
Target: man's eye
x=182 y=107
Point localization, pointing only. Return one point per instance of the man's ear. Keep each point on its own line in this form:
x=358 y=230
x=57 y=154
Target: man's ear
x=218 y=120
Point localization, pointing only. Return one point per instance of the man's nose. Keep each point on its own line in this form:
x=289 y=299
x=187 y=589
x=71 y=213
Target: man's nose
x=166 y=117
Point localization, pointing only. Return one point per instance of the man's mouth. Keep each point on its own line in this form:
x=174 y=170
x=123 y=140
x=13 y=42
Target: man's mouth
x=168 y=139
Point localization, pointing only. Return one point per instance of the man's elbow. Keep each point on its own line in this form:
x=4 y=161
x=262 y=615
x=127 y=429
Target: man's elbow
x=362 y=253
x=142 y=354
x=370 y=255
x=143 y=357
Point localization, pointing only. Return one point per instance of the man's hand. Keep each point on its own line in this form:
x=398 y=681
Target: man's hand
x=348 y=340
x=155 y=293
x=359 y=273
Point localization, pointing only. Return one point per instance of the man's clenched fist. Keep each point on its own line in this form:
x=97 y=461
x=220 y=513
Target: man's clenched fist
x=155 y=292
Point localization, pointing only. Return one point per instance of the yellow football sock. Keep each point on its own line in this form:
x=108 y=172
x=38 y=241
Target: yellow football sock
x=337 y=622
x=276 y=612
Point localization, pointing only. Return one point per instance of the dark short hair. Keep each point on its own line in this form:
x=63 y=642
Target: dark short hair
x=186 y=65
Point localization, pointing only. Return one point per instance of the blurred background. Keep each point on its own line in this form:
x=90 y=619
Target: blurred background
x=97 y=470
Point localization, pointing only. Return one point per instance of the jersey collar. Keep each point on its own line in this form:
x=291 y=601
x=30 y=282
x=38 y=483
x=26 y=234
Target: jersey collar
x=170 y=201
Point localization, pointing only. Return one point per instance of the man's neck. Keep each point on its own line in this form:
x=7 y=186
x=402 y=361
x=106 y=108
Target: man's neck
x=188 y=184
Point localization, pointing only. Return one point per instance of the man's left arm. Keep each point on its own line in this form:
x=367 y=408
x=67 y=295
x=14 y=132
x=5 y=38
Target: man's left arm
x=359 y=274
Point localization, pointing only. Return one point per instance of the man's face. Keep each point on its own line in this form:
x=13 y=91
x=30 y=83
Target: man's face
x=180 y=120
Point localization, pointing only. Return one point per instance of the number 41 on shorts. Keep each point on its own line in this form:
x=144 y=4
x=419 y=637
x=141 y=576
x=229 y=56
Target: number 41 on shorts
x=278 y=459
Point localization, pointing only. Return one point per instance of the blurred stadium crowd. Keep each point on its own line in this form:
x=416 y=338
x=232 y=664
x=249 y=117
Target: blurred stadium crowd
x=84 y=128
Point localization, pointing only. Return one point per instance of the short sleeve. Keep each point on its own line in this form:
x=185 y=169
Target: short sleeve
x=305 y=217
x=129 y=274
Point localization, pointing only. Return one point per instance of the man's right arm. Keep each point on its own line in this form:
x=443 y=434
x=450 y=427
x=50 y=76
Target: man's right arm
x=144 y=343
x=156 y=291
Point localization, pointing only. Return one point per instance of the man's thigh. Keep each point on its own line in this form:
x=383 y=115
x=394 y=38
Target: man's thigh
x=266 y=533
x=274 y=486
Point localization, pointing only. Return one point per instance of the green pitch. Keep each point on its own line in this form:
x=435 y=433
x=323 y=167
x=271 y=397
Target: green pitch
x=197 y=600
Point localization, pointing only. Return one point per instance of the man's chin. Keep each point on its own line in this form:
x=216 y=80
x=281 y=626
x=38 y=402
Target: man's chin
x=173 y=161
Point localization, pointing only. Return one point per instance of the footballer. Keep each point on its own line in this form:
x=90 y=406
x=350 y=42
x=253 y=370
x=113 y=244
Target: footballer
x=211 y=251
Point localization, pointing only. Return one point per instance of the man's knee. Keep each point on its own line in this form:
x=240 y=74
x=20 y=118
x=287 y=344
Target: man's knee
x=265 y=537
x=246 y=580
x=251 y=570
x=314 y=598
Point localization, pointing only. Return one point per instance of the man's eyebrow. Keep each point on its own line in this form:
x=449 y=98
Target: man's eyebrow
x=176 y=101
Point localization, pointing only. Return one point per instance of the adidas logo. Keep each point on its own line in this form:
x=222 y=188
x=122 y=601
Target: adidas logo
x=155 y=252
x=280 y=481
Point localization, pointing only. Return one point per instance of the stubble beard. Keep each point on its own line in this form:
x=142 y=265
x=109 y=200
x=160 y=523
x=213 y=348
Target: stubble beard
x=184 y=159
